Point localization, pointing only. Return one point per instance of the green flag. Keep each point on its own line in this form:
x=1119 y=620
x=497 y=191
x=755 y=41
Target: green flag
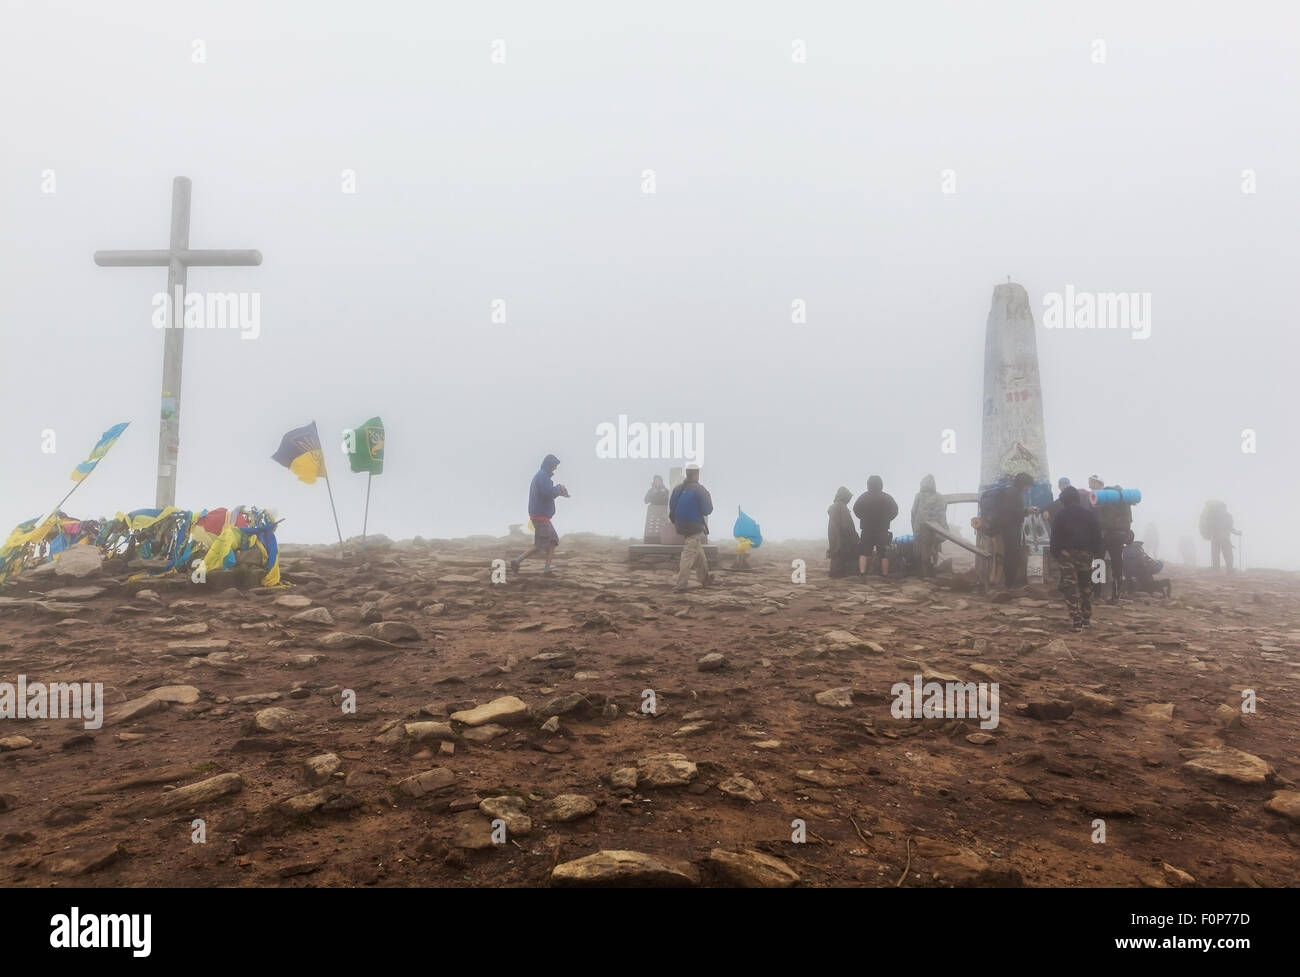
x=366 y=447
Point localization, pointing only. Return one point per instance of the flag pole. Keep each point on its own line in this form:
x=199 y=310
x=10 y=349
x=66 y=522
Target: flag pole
x=365 y=520
x=336 y=513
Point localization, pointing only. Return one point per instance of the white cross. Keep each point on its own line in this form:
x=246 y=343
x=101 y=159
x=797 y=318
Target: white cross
x=178 y=258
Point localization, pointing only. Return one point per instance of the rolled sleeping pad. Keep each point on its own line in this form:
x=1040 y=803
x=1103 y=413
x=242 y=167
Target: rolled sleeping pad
x=1112 y=497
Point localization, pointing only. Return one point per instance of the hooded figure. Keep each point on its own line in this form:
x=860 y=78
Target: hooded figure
x=842 y=535
x=876 y=509
x=542 y=493
x=928 y=506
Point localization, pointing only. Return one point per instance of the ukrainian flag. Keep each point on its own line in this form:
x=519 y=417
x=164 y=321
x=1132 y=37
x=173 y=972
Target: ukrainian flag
x=107 y=441
x=300 y=452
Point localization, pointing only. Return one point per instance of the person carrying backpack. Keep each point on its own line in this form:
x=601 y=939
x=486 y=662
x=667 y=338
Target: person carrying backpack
x=1116 y=532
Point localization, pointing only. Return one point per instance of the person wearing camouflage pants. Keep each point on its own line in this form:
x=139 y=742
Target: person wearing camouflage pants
x=1076 y=539
x=1076 y=585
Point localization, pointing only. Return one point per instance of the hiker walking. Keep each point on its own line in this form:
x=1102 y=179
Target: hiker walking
x=542 y=493
x=688 y=510
x=1216 y=526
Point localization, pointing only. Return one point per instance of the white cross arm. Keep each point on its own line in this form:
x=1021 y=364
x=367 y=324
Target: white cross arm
x=140 y=259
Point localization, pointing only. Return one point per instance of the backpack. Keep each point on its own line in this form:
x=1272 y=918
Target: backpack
x=1116 y=516
x=987 y=508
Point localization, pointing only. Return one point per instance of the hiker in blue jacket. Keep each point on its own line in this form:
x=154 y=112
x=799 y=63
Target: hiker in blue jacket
x=542 y=493
x=688 y=509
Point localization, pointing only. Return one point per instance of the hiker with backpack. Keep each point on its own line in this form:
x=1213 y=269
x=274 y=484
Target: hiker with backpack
x=688 y=509
x=1076 y=541
x=1216 y=526
x=1006 y=511
x=1116 y=531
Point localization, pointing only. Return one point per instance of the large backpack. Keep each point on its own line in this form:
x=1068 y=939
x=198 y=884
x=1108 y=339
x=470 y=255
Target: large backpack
x=988 y=508
x=1115 y=516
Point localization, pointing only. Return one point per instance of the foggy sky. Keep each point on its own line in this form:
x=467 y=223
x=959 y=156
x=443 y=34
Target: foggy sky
x=776 y=181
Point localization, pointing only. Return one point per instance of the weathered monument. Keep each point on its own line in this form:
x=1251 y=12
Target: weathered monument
x=1013 y=437
x=177 y=258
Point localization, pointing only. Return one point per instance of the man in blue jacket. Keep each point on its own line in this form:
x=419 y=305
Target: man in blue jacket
x=542 y=493
x=688 y=508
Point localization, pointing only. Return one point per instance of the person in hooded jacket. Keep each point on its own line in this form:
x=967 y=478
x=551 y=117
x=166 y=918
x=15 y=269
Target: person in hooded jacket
x=928 y=506
x=876 y=509
x=542 y=493
x=841 y=535
x=1075 y=542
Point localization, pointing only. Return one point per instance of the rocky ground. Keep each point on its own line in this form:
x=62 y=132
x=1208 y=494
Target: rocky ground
x=500 y=734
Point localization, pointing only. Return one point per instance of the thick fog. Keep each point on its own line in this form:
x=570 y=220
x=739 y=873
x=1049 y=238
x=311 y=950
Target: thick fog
x=884 y=165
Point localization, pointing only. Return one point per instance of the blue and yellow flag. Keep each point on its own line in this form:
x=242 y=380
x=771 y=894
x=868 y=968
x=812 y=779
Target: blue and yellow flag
x=107 y=441
x=300 y=452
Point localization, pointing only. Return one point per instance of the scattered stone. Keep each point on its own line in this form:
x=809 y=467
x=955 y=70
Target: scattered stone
x=276 y=719
x=510 y=809
x=742 y=788
x=1177 y=876
x=1050 y=709
x=185 y=798
x=623 y=777
x=91 y=860
x=314 y=615
x=1285 y=803
x=981 y=739
x=255 y=698
x=320 y=769
x=429 y=732
x=506 y=709
x=768 y=745
x=78 y=562
x=1098 y=705
x=693 y=729
x=665 y=770
x=473 y=832
x=1226 y=763
x=712 y=662
x=293 y=601
x=568 y=807
x=625 y=868
x=551 y=725
x=338 y=639
x=484 y=734
x=392 y=631
x=8 y=743
x=1157 y=712
x=198 y=648
x=841 y=698
x=429 y=782
x=848 y=641
x=751 y=869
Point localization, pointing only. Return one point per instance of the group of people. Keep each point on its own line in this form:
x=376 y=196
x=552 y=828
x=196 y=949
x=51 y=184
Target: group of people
x=1079 y=532
x=851 y=548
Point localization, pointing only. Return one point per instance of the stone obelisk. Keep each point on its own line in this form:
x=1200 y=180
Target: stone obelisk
x=1013 y=439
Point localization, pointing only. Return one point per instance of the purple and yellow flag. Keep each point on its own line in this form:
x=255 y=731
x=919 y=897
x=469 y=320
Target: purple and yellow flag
x=96 y=453
x=300 y=452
